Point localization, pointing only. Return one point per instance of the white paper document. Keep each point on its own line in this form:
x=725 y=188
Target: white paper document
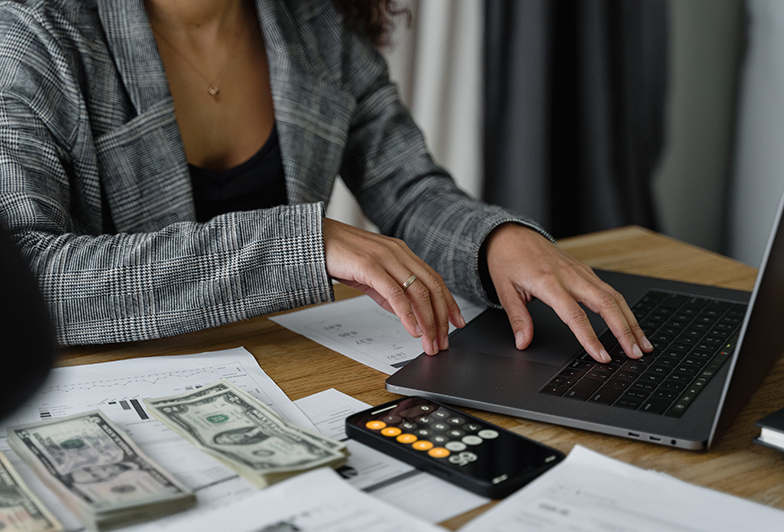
x=386 y=478
x=589 y=492
x=361 y=330
x=117 y=388
x=318 y=501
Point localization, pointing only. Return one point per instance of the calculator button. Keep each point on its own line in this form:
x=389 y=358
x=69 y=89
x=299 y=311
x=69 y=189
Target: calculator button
x=407 y=425
x=438 y=452
x=441 y=414
x=455 y=433
x=424 y=419
x=425 y=408
x=456 y=420
x=440 y=439
x=488 y=434
x=471 y=427
x=422 y=445
x=391 y=431
x=439 y=426
x=407 y=438
x=375 y=425
x=456 y=446
x=472 y=440
x=423 y=433
x=468 y=456
x=392 y=419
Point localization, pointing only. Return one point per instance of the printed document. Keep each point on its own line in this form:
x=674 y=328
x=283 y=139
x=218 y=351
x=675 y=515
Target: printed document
x=589 y=492
x=361 y=330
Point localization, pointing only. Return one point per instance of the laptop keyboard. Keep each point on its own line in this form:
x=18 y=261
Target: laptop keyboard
x=692 y=338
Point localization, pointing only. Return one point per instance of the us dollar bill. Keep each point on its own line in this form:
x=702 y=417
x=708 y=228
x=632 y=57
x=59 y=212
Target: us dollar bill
x=20 y=509
x=97 y=471
x=244 y=434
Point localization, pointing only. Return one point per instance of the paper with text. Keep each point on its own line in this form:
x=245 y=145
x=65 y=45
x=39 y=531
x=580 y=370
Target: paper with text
x=590 y=492
x=361 y=330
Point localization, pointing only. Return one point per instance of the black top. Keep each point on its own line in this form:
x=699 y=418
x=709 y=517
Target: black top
x=257 y=183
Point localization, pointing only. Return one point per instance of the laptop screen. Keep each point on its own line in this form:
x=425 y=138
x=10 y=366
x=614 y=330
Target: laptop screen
x=761 y=340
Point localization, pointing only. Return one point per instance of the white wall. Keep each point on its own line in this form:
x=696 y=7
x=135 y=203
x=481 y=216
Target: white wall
x=694 y=173
x=759 y=169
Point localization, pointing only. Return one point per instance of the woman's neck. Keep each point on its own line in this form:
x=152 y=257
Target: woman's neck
x=194 y=16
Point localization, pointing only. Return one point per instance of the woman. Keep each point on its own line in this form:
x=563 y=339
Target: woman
x=116 y=114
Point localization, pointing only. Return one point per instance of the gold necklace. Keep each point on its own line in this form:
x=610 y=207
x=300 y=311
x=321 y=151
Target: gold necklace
x=212 y=85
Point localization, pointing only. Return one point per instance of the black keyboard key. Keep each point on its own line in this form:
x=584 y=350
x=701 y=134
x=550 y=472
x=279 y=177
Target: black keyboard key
x=626 y=375
x=658 y=369
x=639 y=395
x=606 y=396
x=693 y=362
x=583 y=389
x=620 y=384
x=569 y=372
x=632 y=366
x=673 y=301
x=720 y=306
x=696 y=303
x=680 y=377
x=581 y=365
x=598 y=375
x=630 y=403
x=653 y=378
x=554 y=390
x=655 y=405
x=668 y=362
x=644 y=386
x=669 y=395
x=560 y=380
x=689 y=371
x=674 y=386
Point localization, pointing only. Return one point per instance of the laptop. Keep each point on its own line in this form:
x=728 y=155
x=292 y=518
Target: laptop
x=712 y=348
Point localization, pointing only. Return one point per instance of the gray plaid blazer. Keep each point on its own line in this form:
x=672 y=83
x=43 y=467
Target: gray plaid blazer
x=94 y=183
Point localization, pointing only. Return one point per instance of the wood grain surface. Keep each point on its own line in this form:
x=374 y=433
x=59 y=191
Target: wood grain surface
x=301 y=367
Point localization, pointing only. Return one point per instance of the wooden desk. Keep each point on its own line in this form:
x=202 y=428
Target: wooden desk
x=301 y=367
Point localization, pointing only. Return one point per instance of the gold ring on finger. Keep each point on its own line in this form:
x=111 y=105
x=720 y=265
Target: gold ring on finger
x=408 y=282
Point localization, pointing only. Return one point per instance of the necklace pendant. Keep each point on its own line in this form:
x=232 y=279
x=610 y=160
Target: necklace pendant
x=214 y=92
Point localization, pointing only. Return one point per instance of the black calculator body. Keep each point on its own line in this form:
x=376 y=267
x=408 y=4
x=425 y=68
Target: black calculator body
x=467 y=451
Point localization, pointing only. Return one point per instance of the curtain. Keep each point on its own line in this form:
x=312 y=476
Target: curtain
x=437 y=63
x=574 y=110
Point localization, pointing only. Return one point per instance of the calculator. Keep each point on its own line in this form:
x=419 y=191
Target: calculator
x=460 y=448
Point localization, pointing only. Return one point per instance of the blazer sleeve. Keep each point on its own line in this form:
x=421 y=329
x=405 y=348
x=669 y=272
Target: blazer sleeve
x=400 y=188
x=103 y=288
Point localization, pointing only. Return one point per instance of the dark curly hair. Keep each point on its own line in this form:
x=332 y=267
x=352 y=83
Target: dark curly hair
x=372 y=17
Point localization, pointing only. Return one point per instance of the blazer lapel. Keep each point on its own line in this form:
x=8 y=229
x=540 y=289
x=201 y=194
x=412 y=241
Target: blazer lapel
x=150 y=185
x=143 y=162
x=312 y=113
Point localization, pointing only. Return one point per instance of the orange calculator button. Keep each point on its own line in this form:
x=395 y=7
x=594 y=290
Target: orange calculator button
x=407 y=438
x=439 y=452
x=391 y=431
x=375 y=425
x=423 y=445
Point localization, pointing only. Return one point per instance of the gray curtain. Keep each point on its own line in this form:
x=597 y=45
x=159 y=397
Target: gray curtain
x=574 y=110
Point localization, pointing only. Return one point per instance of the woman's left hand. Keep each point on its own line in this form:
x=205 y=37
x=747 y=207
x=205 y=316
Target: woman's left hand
x=524 y=265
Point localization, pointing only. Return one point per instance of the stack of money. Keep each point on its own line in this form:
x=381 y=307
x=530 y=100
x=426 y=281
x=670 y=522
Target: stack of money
x=97 y=471
x=243 y=433
x=20 y=509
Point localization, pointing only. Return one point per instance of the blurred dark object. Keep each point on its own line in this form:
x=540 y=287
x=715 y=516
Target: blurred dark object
x=26 y=335
x=574 y=110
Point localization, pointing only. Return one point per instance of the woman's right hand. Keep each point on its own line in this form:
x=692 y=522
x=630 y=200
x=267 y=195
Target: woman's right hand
x=379 y=265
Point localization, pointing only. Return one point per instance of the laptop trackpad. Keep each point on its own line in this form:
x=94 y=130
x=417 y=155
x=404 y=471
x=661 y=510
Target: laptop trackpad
x=491 y=333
